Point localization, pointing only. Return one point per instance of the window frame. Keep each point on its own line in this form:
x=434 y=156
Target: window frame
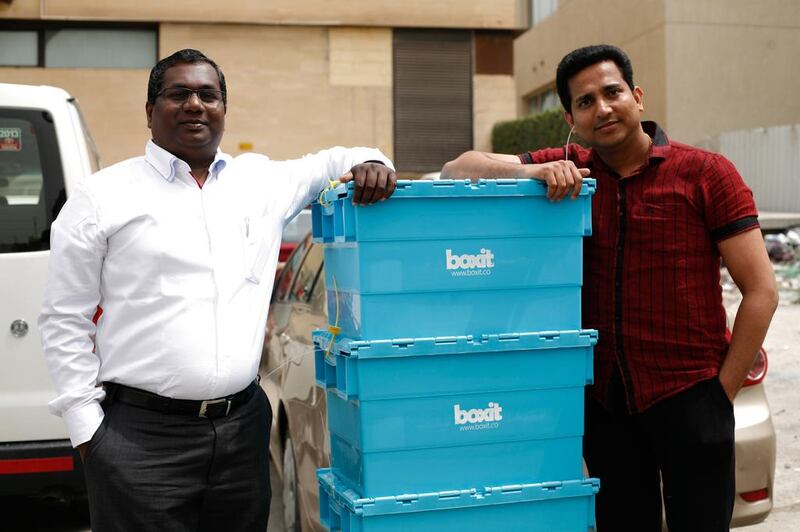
x=538 y=97
x=42 y=27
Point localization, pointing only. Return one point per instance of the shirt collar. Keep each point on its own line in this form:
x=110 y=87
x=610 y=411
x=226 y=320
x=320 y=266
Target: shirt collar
x=165 y=163
x=659 y=149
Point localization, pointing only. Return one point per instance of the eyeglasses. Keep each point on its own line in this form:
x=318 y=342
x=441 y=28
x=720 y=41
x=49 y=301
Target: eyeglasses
x=211 y=97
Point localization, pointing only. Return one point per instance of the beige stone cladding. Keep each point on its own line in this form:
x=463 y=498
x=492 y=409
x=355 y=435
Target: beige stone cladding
x=360 y=57
x=493 y=98
x=486 y=14
x=731 y=64
x=280 y=96
x=705 y=67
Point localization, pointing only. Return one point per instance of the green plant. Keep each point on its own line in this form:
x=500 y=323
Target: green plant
x=545 y=130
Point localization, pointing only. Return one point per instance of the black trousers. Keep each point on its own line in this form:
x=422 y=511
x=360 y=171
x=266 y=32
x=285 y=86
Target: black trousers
x=147 y=470
x=685 y=442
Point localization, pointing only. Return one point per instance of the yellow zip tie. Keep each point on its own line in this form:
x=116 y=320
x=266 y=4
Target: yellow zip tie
x=334 y=329
x=332 y=183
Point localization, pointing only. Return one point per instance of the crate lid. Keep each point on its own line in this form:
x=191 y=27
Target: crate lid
x=459 y=188
x=447 y=345
x=417 y=502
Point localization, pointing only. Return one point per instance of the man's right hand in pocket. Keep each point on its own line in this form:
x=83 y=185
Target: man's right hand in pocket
x=82 y=448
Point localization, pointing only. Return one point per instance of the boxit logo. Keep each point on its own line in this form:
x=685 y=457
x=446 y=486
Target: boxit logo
x=478 y=418
x=461 y=265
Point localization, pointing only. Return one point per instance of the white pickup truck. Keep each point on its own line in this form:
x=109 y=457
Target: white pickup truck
x=45 y=148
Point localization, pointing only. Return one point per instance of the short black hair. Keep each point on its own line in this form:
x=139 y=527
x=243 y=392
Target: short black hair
x=577 y=60
x=187 y=55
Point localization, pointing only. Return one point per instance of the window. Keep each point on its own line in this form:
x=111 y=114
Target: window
x=543 y=101
x=31 y=180
x=99 y=48
x=304 y=280
x=290 y=268
x=77 y=46
x=19 y=48
x=541 y=9
x=319 y=301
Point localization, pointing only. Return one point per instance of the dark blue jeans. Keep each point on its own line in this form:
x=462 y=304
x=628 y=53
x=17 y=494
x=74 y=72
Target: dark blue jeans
x=147 y=470
x=685 y=442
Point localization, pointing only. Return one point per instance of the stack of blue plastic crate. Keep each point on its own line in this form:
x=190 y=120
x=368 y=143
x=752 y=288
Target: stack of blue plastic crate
x=455 y=364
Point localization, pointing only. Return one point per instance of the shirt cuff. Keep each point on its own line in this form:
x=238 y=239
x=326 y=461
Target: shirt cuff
x=83 y=422
x=734 y=228
x=376 y=156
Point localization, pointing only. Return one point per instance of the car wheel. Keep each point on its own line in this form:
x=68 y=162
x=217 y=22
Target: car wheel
x=291 y=508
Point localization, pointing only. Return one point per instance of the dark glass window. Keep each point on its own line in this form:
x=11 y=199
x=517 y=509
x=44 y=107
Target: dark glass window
x=31 y=179
x=307 y=275
x=290 y=269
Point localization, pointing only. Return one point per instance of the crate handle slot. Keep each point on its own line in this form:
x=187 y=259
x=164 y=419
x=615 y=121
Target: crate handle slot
x=551 y=486
x=403 y=343
x=406 y=499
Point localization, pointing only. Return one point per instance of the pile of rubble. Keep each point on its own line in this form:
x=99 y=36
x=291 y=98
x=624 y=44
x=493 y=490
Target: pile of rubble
x=784 y=253
x=784 y=248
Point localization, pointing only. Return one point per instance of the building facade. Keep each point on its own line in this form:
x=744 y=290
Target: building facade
x=706 y=67
x=421 y=80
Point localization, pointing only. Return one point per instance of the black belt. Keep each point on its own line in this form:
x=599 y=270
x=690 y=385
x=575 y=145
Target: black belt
x=211 y=408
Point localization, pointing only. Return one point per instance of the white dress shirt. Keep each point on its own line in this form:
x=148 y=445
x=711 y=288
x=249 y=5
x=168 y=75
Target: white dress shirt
x=183 y=275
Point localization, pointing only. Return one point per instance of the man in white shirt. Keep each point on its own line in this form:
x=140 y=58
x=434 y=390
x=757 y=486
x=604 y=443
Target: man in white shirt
x=178 y=248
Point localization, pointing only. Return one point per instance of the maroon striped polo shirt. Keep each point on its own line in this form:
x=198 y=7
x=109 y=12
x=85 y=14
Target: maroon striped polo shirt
x=651 y=282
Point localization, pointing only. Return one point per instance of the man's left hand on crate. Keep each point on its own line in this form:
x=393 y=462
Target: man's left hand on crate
x=374 y=182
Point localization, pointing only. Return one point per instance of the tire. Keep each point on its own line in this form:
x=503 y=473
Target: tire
x=291 y=506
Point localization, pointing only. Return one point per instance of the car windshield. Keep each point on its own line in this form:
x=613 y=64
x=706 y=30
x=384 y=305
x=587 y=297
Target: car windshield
x=297 y=229
x=31 y=179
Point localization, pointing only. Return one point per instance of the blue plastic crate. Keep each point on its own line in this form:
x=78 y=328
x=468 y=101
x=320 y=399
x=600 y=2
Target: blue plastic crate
x=414 y=414
x=565 y=506
x=453 y=258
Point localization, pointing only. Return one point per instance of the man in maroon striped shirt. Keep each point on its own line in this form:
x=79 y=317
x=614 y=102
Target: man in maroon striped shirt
x=665 y=376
